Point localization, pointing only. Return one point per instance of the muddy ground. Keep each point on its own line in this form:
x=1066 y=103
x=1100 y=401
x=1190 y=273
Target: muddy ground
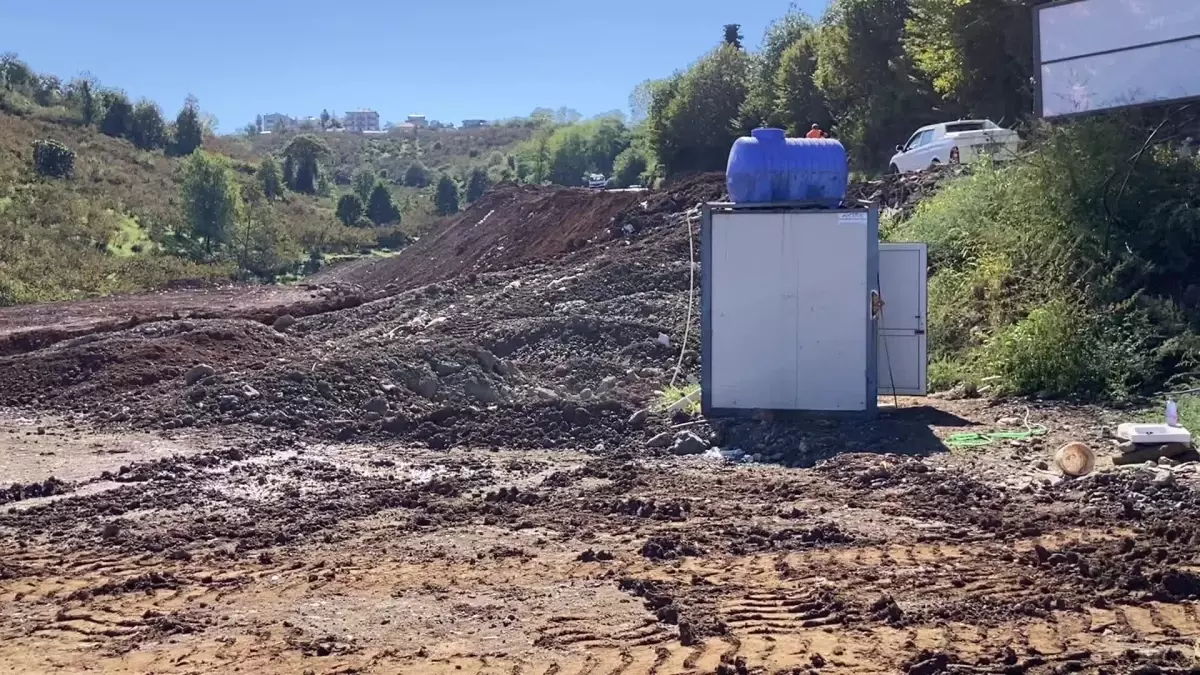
x=470 y=475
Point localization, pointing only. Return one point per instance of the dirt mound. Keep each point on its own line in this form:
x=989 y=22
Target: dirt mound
x=902 y=191
x=508 y=227
x=96 y=367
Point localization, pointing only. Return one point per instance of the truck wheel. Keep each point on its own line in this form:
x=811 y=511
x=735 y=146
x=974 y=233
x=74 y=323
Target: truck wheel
x=893 y=169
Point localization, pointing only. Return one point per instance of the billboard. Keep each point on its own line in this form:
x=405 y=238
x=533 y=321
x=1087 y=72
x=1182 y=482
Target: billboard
x=1093 y=55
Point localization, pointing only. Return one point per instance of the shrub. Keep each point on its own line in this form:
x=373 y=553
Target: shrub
x=1070 y=272
x=53 y=159
x=417 y=176
x=447 y=196
x=350 y=208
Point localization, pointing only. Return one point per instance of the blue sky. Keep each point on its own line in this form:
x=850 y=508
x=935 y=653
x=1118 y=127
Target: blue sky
x=447 y=60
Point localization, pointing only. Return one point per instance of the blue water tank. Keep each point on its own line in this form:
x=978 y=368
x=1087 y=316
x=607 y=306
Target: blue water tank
x=769 y=167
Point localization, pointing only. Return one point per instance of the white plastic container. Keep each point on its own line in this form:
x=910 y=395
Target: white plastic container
x=1153 y=434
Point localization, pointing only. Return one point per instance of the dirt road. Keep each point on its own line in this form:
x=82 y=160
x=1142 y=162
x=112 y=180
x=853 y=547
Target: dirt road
x=284 y=556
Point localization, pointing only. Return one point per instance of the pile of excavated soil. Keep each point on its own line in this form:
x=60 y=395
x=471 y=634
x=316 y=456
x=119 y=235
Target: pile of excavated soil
x=541 y=317
x=508 y=227
x=903 y=191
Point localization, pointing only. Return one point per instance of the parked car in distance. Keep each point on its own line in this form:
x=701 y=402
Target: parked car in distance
x=952 y=143
x=597 y=181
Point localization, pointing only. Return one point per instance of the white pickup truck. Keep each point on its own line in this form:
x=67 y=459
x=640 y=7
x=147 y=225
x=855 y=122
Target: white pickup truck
x=954 y=143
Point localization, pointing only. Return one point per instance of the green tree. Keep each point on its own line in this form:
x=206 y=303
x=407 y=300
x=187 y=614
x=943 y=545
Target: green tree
x=289 y=171
x=417 y=175
x=350 y=208
x=15 y=73
x=607 y=138
x=875 y=95
x=733 y=35
x=569 y=160
x=363 y=183
x=629 y=167
x=306 y=152
x=380 y=207
x=270 y=178
x=148 y=131
x=47 y=90
x=189 y=129
x=477 y=183
x=211 y=202
x=799 y=103
x=977 y=54
x=260 y=246
x=53 y=159
x=693 y=119
x=325 y=118
x=89 y=111
x=763 y=94
x=446 y=199
x=118 y=117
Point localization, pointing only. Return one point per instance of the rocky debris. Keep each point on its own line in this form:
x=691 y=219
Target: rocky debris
x=594 y=556
x=638 y=419
x=688 y=443
x=47 y=488
x=284 y=322
x=197 y=373
x=662 y=440
x=902 y=192
x=669 y=547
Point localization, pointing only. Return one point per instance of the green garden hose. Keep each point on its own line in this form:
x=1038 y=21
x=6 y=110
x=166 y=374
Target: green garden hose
x=979 y=439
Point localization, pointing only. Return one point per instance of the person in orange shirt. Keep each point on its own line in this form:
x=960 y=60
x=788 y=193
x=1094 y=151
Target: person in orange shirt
x=815 y=132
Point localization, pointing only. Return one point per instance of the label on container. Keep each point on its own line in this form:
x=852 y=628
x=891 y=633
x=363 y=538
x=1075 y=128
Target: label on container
x=857 y=218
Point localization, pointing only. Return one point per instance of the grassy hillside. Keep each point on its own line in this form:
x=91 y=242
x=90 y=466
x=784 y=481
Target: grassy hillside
x=453 y=152
x=117 y=222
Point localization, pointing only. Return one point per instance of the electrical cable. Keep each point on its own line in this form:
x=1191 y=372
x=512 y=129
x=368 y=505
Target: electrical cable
x=687 y=326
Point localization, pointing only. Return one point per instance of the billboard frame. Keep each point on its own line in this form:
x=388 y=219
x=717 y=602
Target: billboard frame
x=1039 y=110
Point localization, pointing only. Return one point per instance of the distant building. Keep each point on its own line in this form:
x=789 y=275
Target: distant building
x=277 y=122
x=474 y=124
x=361 y=120
x=417 y=120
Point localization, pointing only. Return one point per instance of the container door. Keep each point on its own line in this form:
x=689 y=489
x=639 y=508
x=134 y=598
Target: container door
x=903 y=358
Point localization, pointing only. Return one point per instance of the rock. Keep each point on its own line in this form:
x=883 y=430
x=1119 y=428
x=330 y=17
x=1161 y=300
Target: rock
x=370 y=416
x=608 y=383
x=638 y=419
x=548 y=394
x=249 y=392
x=377 y=405
x=480 y=389
x=486 y=359
x=228 y=402
x=324 y=388
x=196 y=395
x=660 y=441
x=444 y=368
x=586 y=395
x=284 y=322
x=687 y=443
x=1009 y=421
x=1164 y=477
x=187 y=420
x=197 y=373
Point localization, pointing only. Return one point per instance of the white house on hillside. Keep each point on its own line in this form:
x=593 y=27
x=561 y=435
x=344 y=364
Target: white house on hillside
x=361 y=120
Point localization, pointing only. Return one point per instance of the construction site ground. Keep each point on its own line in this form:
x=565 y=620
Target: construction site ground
x=466 y=472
